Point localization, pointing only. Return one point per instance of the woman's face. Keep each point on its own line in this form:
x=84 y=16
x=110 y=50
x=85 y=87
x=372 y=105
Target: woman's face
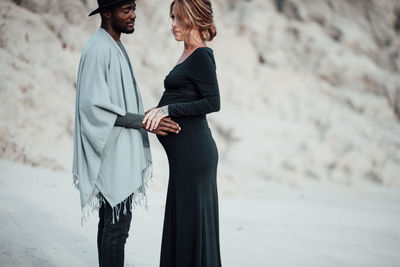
x=177 y=27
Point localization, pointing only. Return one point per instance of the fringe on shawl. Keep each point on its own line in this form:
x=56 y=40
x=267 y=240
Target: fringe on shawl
x=137 y=198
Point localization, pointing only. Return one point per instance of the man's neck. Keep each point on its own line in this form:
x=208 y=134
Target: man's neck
x=115 y=35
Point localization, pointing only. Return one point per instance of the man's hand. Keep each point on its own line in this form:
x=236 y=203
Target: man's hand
x=165 y=126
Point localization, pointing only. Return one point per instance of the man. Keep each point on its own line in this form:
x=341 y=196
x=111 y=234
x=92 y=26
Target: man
x=112 y=160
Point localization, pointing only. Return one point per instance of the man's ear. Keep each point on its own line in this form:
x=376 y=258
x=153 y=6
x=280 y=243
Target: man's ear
x=106 y=13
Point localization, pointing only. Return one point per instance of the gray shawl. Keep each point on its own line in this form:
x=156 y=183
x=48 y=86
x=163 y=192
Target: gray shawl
x=109 y=162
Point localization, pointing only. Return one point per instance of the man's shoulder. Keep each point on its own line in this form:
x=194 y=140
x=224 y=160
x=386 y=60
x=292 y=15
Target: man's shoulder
x=98 y=43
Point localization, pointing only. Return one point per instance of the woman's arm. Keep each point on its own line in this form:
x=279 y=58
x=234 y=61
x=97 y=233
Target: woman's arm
x=202 y=72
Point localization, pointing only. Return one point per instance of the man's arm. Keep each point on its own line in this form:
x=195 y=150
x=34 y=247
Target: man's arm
x=130 y=120
x=134 y=121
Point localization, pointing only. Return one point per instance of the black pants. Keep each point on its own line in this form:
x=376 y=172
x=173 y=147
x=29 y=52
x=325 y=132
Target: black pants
x=111 y=237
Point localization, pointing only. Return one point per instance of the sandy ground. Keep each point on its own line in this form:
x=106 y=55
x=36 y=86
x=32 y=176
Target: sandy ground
x=262 y=223
x=308 y=94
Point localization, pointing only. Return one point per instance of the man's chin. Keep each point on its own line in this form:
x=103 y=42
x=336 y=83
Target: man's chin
x=129 y=30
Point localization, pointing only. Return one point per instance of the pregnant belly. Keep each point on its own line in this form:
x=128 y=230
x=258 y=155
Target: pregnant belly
x=194 y=146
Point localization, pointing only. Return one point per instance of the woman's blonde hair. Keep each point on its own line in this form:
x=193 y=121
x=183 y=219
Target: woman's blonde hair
x=194 y=13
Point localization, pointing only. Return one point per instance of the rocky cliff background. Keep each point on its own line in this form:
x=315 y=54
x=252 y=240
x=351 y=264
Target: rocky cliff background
x=310 y=88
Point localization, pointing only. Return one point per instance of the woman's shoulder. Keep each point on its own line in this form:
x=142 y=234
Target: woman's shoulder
x=203 y=51
x=203 y=56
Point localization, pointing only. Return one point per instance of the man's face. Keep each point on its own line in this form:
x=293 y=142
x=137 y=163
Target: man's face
x=123 y=17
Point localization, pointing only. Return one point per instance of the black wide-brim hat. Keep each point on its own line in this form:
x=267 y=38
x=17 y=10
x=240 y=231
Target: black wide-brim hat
x=107 y=3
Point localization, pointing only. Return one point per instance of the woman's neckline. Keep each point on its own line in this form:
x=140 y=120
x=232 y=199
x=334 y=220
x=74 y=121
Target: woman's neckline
x=191 y=55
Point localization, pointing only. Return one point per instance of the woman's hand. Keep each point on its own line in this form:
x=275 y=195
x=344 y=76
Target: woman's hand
x=153 y=117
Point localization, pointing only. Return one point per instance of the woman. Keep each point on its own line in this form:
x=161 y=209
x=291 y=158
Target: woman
x=191 y=231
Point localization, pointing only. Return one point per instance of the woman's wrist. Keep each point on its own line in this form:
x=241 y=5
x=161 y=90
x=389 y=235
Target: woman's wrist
x=163 y=111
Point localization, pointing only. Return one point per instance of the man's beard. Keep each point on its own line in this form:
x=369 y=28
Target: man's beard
x=124 y=29
x=128 y=31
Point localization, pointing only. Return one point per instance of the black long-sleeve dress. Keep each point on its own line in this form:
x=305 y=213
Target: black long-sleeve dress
x=191 y=228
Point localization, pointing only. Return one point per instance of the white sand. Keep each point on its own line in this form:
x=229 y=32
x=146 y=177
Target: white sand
x=262 y=223
x=307 y=99
x=293 y=98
